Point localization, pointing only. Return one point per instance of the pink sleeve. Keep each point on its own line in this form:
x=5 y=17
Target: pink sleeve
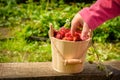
x=100 y=12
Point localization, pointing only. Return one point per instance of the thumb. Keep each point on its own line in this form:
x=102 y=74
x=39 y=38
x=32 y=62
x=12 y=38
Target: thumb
x=85 y=31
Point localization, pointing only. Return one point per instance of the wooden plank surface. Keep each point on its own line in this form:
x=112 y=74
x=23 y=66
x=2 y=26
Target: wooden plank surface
x=44 y=71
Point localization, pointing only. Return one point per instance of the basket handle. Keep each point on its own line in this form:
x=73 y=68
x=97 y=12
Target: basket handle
x=51 y=31
x=73 y=61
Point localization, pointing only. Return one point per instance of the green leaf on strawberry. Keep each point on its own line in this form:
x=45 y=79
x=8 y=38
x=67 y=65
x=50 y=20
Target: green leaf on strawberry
x=67 y=24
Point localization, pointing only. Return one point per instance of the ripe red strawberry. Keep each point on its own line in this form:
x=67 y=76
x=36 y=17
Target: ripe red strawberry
x=68 y=34
x=63 y=30
x=77 y=36
x=70 y=38
x=58 y=36
x=55 y=32
x=65 y=34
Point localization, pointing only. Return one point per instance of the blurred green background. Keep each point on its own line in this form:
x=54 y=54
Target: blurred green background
x=27 y=23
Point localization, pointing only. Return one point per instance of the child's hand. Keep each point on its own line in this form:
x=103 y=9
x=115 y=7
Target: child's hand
x=78 y=22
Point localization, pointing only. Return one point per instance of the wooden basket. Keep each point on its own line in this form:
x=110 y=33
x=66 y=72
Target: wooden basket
x=68 y=56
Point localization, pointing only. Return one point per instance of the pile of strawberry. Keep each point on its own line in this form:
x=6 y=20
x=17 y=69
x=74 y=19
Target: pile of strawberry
x=65 y=34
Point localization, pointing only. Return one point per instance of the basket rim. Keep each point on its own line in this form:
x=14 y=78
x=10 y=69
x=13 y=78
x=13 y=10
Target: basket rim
x=72 y=41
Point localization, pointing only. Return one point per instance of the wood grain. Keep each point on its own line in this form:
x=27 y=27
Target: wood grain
x=44 y=71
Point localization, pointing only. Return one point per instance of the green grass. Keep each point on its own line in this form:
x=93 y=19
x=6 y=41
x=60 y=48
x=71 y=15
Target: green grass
x=22 y=51
x=37 y=51
x=104 y=52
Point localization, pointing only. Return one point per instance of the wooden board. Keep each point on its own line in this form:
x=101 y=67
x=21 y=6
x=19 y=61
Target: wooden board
x=44 y=71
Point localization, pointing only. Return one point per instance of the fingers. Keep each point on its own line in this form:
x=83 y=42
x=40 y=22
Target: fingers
x=76 y=22
x=73 y=28
x=85 y=31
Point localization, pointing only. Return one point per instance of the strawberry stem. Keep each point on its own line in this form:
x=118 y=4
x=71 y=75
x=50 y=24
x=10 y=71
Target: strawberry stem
x=67 y=24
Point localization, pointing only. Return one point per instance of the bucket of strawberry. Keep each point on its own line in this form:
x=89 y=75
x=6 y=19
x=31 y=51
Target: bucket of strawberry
x=68 y=51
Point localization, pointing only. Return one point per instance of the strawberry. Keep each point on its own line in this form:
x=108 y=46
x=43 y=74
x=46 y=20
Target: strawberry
x=77 y=36
x=70 y=38
x=55 y=32
x=68 y=34
x=63 y=30
x=58 y=36
x=65 y=34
